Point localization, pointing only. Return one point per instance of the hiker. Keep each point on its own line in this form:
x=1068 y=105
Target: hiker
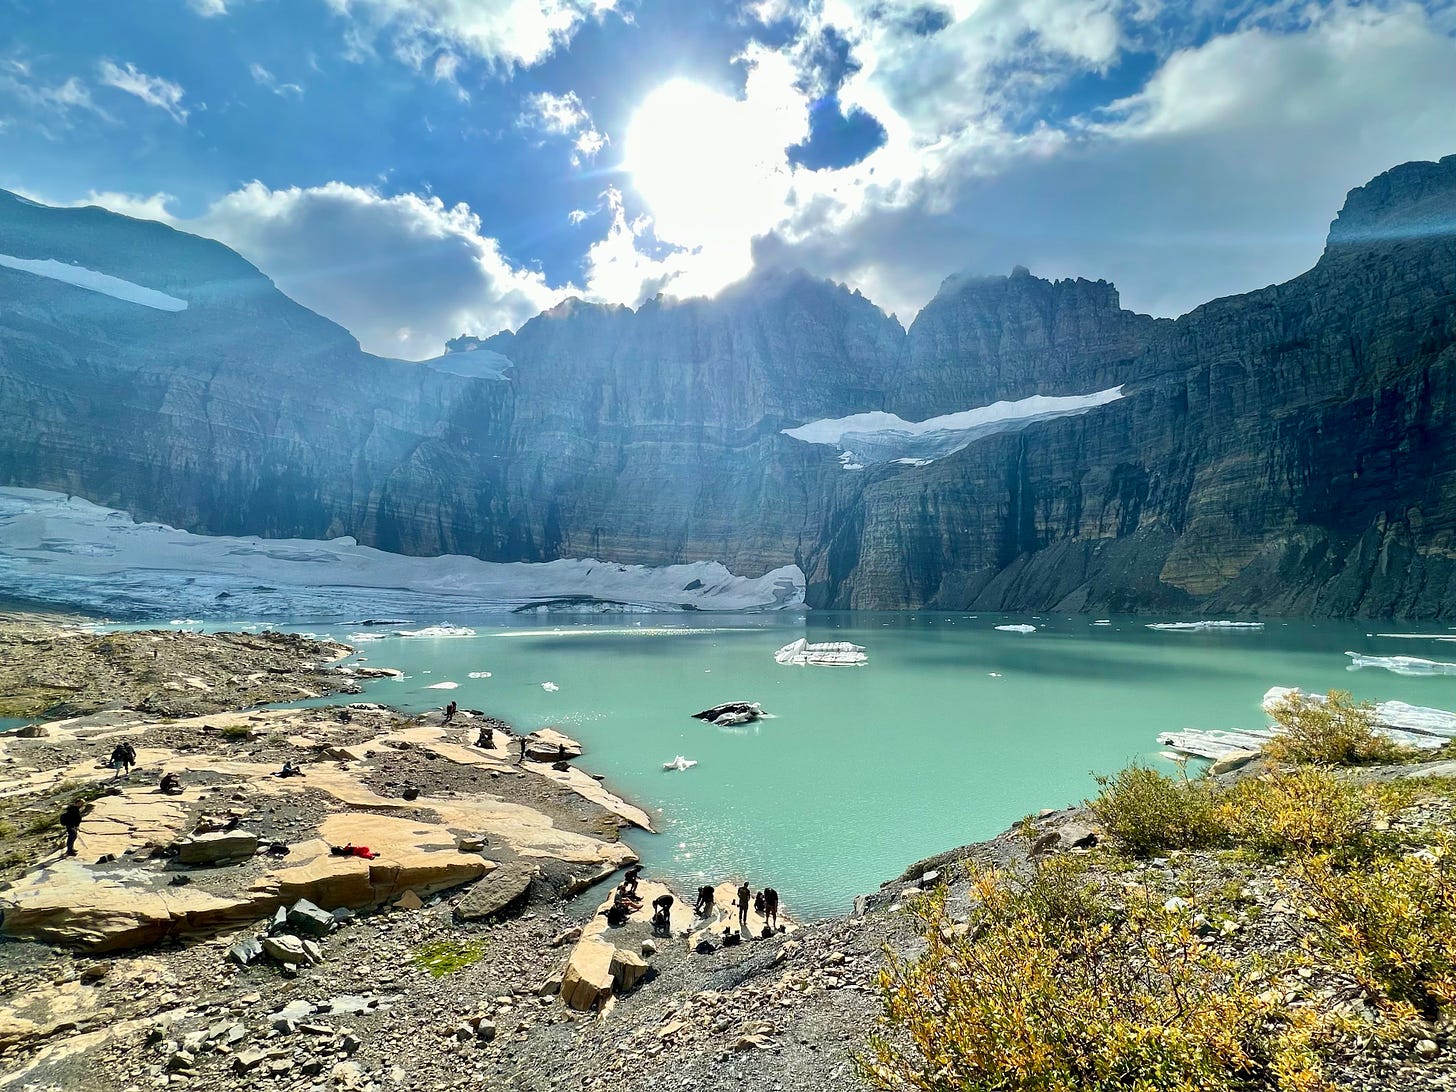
x=704 y=906
x=758 y=904
x=630 y=877
x=770 y=907
x=487 y=738
x=71 y=820
x=744 y=894
x=524 y=744
x=662 y=915
x=121 y=761
x=561 y=755
x=450 y=711
x=290 y=770
x=618 y=913
x=171 y=784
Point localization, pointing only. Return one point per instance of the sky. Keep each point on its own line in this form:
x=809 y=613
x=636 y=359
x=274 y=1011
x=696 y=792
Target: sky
x=420 y=169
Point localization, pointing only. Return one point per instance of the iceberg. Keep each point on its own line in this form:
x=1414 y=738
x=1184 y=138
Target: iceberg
x=866 y=439
x=1200 y=627
x=60 y=549
x=680 y=763
x=93 y=281
x=801 y=653
x=1023 y=628
x=443 y=686
x=550 y=687
x=1400 y=665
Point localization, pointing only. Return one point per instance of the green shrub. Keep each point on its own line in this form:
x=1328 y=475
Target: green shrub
x=1335 y=732
x=1302 y=811
x=1391 y=924
x=1145 y=811
x=1132 y=1005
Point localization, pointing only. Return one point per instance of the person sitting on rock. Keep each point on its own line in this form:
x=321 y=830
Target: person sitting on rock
x=662 y=915
x=290 y=770
x=758 y=904
x=618 y=913
x=704 y=906
x=487 y=737
x=770 y=907
x=630 y=878
x=71 y=820
x=450 y=711
x=171 y=784
x=744 y=895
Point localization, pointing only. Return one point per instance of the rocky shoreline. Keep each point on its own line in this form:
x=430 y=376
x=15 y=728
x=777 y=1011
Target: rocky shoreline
x=458 y=957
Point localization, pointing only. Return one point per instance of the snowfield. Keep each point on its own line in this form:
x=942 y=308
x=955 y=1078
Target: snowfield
x=90 y=279
x=67 y=550
x=870 y=438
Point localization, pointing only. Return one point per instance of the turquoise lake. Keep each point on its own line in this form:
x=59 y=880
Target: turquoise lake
x=950 y=733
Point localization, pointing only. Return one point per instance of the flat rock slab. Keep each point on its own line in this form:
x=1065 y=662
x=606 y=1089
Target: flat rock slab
x=502 y=892
x=217 y=847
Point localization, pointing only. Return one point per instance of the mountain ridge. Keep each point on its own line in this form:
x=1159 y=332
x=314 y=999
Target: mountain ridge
x=1281 y=450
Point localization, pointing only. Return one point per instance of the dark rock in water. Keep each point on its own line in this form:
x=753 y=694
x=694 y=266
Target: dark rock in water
x=731 y=713
x=501 y=893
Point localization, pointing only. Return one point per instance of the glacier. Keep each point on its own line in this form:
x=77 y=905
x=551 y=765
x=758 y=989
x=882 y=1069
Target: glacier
x=55 y=548
x=865 y=439
x=94 y=281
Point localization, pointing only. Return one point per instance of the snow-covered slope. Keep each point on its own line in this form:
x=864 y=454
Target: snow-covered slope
x=867 y=438
x=68 y=550
x=90 y=279
x=473 y=364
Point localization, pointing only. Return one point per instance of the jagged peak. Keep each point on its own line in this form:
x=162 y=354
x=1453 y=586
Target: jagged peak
x=1415 y=200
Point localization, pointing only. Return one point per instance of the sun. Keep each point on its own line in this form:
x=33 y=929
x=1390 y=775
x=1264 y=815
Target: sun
x=713 y=169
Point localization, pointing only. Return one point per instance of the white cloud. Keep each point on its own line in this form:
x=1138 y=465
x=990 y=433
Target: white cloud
x=403 y=273
x=264 y=78
x=49 y=107
x=504 y=33
x=152 y=90
x=565 y=116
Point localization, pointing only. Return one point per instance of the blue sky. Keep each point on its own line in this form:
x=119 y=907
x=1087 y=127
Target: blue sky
x=416 y=169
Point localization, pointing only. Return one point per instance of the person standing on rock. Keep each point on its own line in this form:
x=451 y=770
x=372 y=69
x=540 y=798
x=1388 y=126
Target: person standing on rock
x=450 y=711
x=704 y=906
x=524 y=744
x=744 y=896
x=630 y=878
x=770 y=908
x=71 y=820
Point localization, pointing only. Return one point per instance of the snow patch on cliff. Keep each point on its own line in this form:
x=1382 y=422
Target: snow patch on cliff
x=66 y=550
x=93 y=281
x=473 y=364
x=878 y=437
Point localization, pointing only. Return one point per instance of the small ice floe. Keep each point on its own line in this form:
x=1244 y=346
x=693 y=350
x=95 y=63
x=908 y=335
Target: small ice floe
x=438 y=631
x=680 y=763
x=550 y=687
x=1401 y=665
x=1103 y=622
x=479 y=675
x=801 y=653
x=184 y=622
x=993 y=675
x=443 y=686
x=1198 y=627
x=360 y=638
x=1017 y=629
x=1419 y=636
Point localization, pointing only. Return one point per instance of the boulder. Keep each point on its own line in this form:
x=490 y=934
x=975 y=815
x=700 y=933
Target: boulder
x=285 y=949
x=503 y=892
x=586 y=985
x=217 y=847
x=1078 y=835
x=628 y=969
x=304 y=917
x=246 y=950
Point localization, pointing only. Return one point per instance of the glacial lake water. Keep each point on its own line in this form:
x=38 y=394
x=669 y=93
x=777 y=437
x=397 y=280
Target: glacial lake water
x=950 y=733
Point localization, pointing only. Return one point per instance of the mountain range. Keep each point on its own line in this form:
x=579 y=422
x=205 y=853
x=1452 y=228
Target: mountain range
x=1025 y=445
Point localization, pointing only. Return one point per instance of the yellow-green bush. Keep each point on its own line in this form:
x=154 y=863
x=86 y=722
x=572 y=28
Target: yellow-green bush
x=1134 y=1004
x=1145 y=811
x=1335 y=732
x=1391 y=924
x=1301 y=811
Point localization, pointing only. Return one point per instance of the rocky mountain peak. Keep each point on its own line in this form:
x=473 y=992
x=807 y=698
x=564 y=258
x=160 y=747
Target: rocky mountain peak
x=1414 y=201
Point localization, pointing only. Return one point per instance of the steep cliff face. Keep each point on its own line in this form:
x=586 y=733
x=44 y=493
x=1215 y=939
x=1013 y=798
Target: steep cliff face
x=1287 y=450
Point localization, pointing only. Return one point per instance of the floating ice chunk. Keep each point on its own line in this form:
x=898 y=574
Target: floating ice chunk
x=1401 y=665
x=550 y=687
x=443 y=686
x=801 y=653
x=184 y=622
x=994 y=674
x=1103 y=622
x=878 y=437
x=1199 y=627
x=1420 y=636
x=479 y=675
x=94 y=281
x=359 y=638
x=437 y=631
x=680 y=763
x=1017 y=629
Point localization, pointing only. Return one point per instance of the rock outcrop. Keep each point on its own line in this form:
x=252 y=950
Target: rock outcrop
x=1283 y=450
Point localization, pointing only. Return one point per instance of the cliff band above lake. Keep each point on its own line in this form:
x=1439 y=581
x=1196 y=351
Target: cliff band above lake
x=1025 y=445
